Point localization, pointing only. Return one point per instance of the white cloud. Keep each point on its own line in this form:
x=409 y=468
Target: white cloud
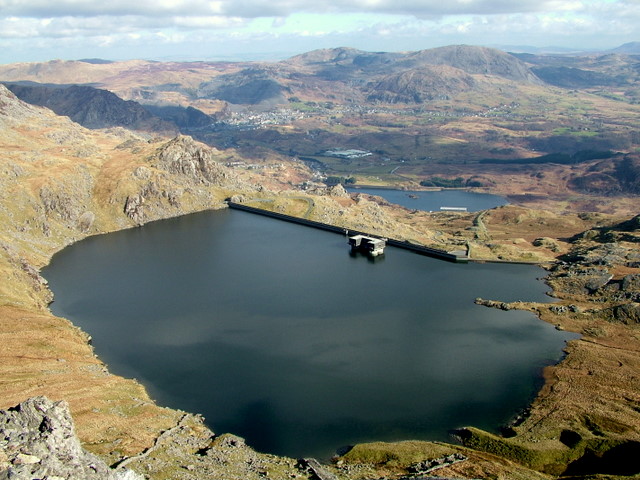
x=273 y=8
x=206 y=22
x=295 y=25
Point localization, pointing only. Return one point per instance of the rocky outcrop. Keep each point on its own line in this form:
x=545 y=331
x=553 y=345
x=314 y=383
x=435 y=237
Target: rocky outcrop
x=628 y=231
x=604 y=255
x=547 y=242
x=38 y=440
x=628 y=313
x=588 y=271
x=315 y=469
x=338 y=191
x=184 y=156
x=631 y=283
x=10 y=107
x=133 y=208
x=493 y=304
x=427 y=466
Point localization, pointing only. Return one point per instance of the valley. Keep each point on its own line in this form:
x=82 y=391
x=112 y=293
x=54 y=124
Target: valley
x=141 y=141
x=456 y=111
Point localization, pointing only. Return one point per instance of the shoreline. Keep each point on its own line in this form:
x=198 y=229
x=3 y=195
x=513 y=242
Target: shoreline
x=549 y=376
x=63 y=183
x=115 y=417
x=493 y=428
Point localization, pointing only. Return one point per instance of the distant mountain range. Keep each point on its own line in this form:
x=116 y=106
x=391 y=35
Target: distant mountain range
x=631 y=48
x=219 y=102
x=342 y=75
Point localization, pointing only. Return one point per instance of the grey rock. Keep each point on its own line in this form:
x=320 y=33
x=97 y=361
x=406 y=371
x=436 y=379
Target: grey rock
x=597 y=281
x=85 y=221
x=628 y=313
x=631 y=283
x=559 y=309
x=56 y=201
x=316 y=470
x=338 y=191
x=184 y=156
x=492 y=304
x=38 y=440
x=430 y=465
x=133 y=208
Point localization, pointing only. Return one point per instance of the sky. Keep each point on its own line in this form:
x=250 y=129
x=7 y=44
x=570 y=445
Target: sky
x=41 y=30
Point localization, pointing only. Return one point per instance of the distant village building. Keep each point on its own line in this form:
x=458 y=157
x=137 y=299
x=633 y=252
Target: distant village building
x=348 y=154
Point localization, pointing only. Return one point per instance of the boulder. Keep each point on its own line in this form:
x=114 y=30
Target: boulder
x=628 y=313
x=546 y=242
x=594 y=282
x=631 y=283
x=133 y=208
x=38 y=440
x=338 y=191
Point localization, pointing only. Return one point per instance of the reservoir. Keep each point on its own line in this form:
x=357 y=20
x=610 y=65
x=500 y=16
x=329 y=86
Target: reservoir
x=432 y=200
x=276 y=333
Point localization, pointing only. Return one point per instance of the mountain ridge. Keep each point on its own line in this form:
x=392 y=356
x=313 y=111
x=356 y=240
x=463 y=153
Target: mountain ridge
x=272 y=82
x=92 y=107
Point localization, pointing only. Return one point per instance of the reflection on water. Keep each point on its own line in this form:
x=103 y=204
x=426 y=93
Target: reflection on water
x=276 y=333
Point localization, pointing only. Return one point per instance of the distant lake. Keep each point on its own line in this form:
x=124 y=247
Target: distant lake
x=432 y=200
x=275 y=332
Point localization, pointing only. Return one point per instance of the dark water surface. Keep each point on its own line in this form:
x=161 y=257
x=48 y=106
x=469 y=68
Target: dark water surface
x=274 y=332
x=431 y=201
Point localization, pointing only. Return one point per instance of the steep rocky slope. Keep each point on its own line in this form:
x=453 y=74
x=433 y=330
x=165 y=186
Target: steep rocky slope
x=92 y=107
x=59 y=183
